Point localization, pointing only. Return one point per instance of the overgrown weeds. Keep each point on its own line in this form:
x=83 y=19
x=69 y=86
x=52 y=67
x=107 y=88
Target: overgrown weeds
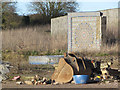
x=37 y=40
x=32 y=38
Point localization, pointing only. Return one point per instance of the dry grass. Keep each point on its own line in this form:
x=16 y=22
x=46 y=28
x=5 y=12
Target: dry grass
x=110 y=49
x=35 y=38
x=39 y=38
x=32 y=38
x=18 y=44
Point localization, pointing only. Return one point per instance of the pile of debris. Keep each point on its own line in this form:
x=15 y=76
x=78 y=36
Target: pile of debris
x=73 y=65
x=37 y=80
x=107 y=73
x=4 y=68
x=68 y=66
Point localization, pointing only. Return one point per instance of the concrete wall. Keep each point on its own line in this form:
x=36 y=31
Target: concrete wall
x=109 y=26
x=112 y=19
x=59 y=27
x=110 y=34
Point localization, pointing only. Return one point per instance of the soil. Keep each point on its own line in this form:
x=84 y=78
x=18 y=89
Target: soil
x=69 y=85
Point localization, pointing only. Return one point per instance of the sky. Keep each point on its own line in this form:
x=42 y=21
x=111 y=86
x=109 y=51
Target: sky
x=22 y=7
x=95 y=6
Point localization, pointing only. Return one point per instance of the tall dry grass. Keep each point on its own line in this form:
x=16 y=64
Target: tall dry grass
x=39 y=38
x=112 y=49
x=32 y=38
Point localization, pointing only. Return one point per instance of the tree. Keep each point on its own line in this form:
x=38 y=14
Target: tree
x=8 y=15
x=8 y=7
x=54 y=9
x=26 y=20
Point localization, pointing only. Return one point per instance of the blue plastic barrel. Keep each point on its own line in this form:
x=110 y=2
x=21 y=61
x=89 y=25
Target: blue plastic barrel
x=80 y=79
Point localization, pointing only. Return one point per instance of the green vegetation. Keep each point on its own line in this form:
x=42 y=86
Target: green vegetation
x=8 y=55
x=102 y=54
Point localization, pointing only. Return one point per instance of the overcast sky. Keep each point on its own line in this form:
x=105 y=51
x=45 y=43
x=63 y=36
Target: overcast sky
x=22 y=7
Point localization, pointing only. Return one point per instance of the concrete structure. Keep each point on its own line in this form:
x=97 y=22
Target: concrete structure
x=109 y=26
x=110 y=30
x=59 y=26
x=111 y=16
x=84 y=31
x=50 y=59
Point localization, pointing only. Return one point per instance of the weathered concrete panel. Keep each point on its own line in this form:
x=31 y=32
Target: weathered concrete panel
x=59 y=27
x=111 y=20
x=110 y=34
x=48 y=59
x=85 y=14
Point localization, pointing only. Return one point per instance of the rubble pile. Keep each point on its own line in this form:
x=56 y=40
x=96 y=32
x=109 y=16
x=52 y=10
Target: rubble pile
x=4 y=68
x=68 y=66
x=98 y=71
x=72 y=65
x=107 y=73
x=36 y=81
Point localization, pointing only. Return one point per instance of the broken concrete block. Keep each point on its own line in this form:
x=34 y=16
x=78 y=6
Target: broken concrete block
x=104 y=72
x=56 y=83
x=116 y=81
x=28 y=82
x=103 y=65
x=44 y=83
x=39 y=82
x=3 y=77
x=36 y=77
x=36 y=83
x=107 y=82
x=48 y=59
x=20 y=82
x=73 y=82
x=3 y=69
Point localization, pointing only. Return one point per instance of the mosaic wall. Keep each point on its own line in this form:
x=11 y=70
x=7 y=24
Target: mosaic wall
x=84 y=33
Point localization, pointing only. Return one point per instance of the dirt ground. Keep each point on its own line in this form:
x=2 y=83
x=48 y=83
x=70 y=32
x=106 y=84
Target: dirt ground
x=69 y=85
x=27 y=70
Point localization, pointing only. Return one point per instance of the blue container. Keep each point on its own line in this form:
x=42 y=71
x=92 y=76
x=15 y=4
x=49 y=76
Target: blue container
x=80 y=79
